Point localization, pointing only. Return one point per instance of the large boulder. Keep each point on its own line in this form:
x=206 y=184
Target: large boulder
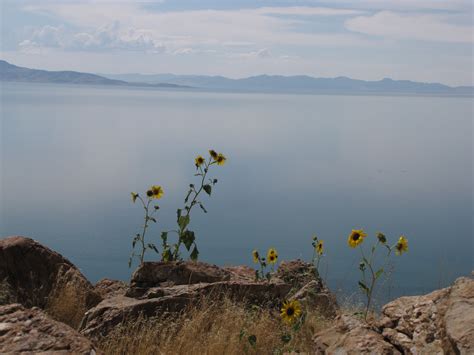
x=31 y=331
x=441 y=322
x=157 y=288
x=350 y=336
x=151 y=274
x=107 y=288
x=36 y=276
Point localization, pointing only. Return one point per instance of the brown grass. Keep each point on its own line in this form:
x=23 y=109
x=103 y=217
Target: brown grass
x=213 y=327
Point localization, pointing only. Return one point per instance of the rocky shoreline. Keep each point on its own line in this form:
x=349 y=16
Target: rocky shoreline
x=47 y=305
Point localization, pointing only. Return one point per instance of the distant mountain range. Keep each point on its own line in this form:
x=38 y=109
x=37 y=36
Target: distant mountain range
x=262 y=83
x=10 y=72
x=299 y=84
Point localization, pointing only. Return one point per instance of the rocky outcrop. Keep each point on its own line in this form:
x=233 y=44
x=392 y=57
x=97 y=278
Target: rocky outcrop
x=36 y=276
x=441 y=322
x=31 y=331
x=349 y=335
x=156 y=288
x=307 y=286
x=106 y=288
x=152 y=274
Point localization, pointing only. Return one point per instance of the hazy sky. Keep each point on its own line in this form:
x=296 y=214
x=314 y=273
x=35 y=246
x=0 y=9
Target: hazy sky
x=423 y=40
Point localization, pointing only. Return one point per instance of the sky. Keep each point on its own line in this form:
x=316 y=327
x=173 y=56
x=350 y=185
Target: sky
x=421 y=40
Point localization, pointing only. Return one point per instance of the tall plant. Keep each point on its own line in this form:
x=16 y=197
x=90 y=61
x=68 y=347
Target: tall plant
x=370 y=272
x=186 y=236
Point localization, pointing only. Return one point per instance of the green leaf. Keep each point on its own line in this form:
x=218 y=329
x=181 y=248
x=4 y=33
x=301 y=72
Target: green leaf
x=195 y=254
x=187 y=196
x=363 y=286
x=153 y=246
x=202 y=207
x=208 y=189
x=252 y=340
x=164 y=236
x=152 y=219
x=378 y=273
x=188 y=238
x=166 y=255
x=286 y=338
x=178 y=212
x=183 y=221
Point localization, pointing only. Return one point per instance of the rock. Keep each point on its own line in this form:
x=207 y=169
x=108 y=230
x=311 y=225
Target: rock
x=315 y=295
x=152 y=274
x=349 y=335
x=36 y=276
x=100 y=320
x=297 y=273
x=441 y=322
x=308 y=288
x=171 y=287
x=459 y=317
x=107 y=288
x=31 y=331
x=241 y=273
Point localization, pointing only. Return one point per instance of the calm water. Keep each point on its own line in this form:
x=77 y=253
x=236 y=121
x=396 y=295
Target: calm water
x=297 y=165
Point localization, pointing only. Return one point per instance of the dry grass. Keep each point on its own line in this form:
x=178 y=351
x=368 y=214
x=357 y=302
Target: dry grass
x=213 y=327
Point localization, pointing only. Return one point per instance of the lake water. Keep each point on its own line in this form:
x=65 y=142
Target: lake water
x=297 y=165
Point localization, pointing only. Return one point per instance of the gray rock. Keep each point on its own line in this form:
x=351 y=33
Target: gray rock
x=34 y=275
x=441 y=322
x=31 y=331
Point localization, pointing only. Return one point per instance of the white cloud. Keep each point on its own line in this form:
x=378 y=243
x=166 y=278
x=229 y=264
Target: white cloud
x=306 y=11
x=410 y=26
x=410 y=5
x=208 y=29
x=261 y=53
x=111 y=36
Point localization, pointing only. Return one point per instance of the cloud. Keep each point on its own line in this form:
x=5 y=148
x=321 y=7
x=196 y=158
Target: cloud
x=112 y=36
x=407 y=5
x=258 y=54
x=306 y=11
x=48 y=36
x=207 y=29
x=410 y=26
x=108 y=37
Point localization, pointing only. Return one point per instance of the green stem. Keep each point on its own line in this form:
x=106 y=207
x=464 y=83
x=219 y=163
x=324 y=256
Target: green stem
x=193 y=202
x=145 y=227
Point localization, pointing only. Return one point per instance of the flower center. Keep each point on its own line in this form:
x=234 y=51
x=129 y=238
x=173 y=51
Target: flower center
x=355 y=236
x=290 y=311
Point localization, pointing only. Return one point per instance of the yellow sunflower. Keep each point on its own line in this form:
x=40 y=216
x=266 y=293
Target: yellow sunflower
x=213 y=154
x=155 y=192
x=199 y=161
x=401 y=246
x=320 y=247
x=221 y=159
x=290 y=311
x=272 y=256
x=356 y=237
x=256 y=256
